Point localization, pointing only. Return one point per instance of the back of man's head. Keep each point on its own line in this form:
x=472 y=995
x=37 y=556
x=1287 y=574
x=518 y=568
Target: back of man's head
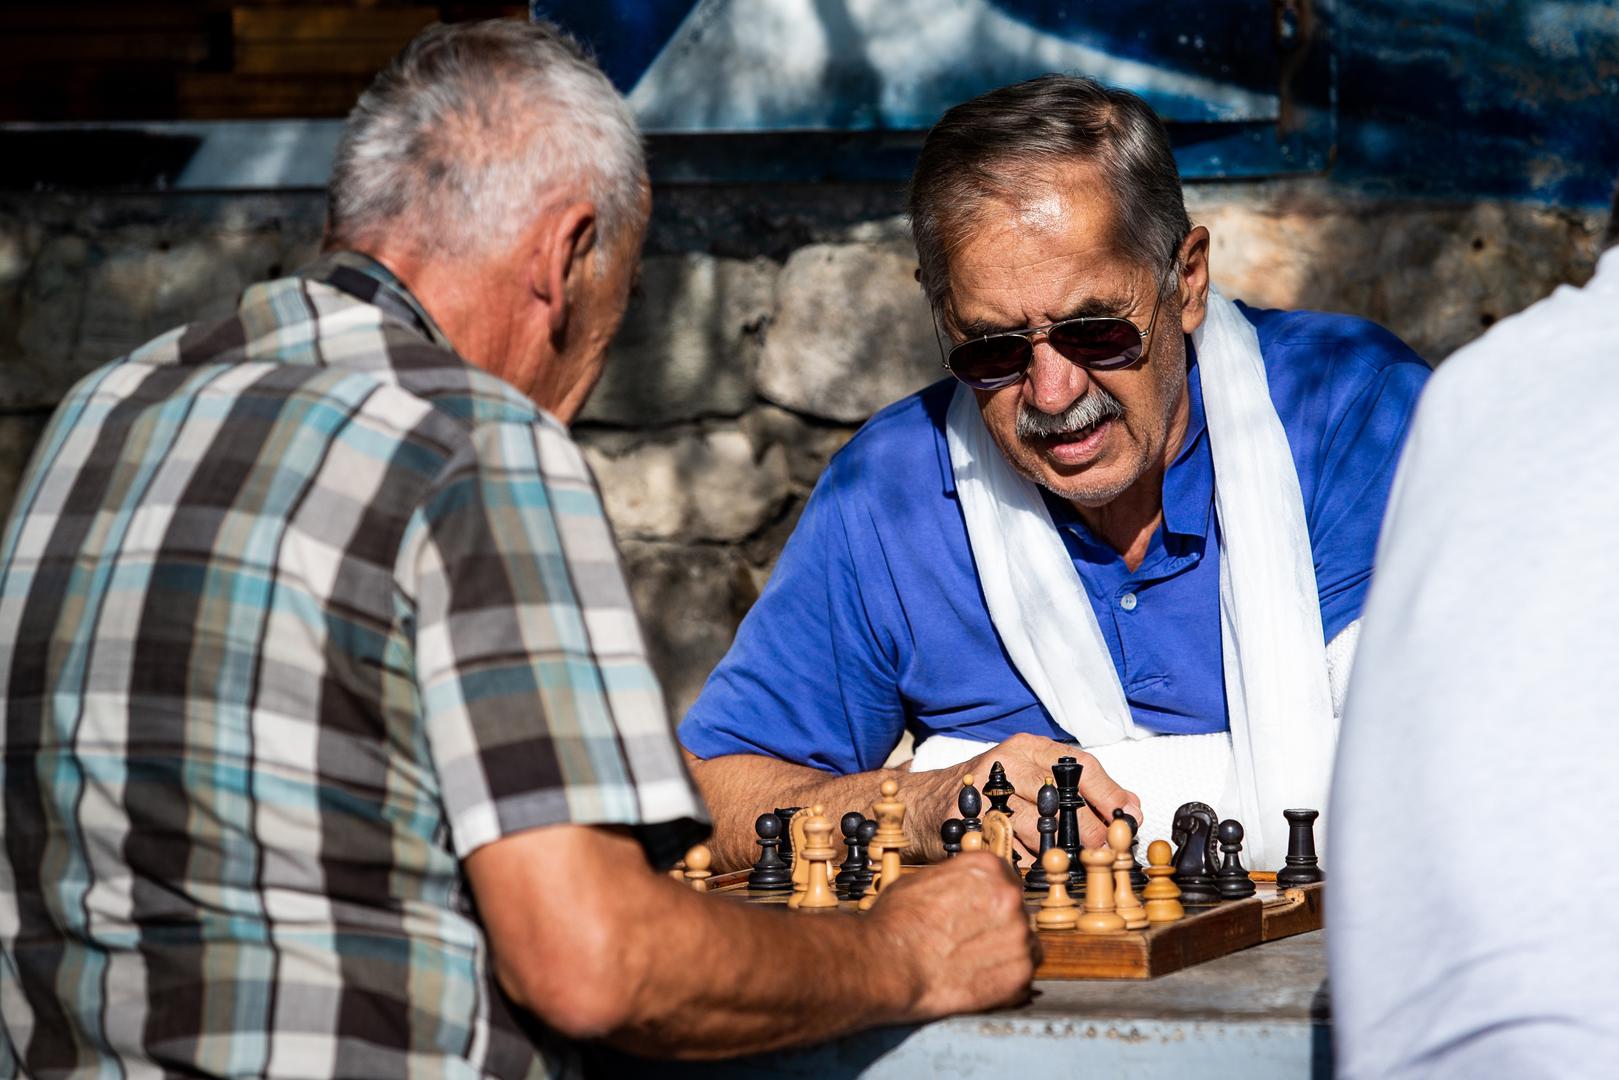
x=470 y=129
x=1020 y=137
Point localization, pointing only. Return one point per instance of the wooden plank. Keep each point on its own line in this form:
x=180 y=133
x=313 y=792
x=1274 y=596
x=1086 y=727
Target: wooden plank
x=228 y=96
x=249 y=24
x=87 y=45
x=316 y=57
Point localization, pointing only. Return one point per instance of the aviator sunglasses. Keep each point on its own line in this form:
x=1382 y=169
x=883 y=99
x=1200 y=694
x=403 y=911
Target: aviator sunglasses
x=1094 y=342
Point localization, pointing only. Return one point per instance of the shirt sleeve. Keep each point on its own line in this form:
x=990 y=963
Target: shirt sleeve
x=811 y=676
x=1377 y=381
x=538 y=703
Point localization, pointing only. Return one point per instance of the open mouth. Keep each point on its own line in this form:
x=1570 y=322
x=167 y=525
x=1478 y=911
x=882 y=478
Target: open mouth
x=1077 y=446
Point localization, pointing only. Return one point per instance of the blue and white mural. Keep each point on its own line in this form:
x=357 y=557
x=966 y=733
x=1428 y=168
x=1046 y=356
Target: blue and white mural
x=1515 y=97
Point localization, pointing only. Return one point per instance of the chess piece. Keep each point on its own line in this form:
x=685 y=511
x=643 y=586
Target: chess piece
x=1301 y=868
x=1066 y=771
x=999 y=790
x=1138 y=876
x=786 y=816
x=795 y=830
x=854 y=858
x=698 y=860
x=1045 y=802
x=972 y=841
x=1121 y=838
x=769 y=873
x=1099 y=917
x=950 y=832
x=998 y=835
x=1194 y=867
x=1162 y=895
x=1232 y=881
x=969 y=802
x=866 y=834
x=1058 y=911
x=817 y=853
x=890 y=815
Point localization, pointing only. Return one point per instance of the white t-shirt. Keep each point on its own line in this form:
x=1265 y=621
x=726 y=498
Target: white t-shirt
x=1475 y=809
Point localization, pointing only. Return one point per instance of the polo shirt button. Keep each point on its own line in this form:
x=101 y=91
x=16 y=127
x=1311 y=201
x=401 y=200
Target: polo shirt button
x=1128 y=601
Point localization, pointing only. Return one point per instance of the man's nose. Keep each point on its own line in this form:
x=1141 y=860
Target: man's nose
x=1052 y=382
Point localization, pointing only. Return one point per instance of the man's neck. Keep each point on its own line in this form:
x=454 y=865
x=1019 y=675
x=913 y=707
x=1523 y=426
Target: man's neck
x=1127 y=523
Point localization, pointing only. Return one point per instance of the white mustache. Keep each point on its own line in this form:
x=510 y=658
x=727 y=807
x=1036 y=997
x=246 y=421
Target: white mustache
x=1093 y=408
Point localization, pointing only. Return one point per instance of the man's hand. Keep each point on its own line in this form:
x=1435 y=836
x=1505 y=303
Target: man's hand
x=1027 y=760
x=963 y=927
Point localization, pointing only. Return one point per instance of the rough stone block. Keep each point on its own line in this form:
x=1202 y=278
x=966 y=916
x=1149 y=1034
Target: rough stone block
x=1437 y=274
x=851 y=334
x=691 y=600
x=689 y=342
x=18 y=435
x=700 y=485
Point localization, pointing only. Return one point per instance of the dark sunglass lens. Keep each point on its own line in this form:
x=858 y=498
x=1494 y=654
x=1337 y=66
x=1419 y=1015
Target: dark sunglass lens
x=991 y=361
x=1097 y=343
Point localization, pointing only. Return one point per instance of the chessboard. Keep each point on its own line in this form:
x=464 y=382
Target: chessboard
x=1204 y=934
x=1226 y=908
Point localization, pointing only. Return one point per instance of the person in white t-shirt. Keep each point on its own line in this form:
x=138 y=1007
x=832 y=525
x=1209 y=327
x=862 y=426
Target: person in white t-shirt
x=1476 y=799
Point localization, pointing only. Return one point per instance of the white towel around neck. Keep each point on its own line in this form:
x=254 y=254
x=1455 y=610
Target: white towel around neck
x=1283 y=729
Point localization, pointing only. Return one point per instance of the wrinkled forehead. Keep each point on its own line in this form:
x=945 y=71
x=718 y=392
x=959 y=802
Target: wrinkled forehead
x=1045 y=248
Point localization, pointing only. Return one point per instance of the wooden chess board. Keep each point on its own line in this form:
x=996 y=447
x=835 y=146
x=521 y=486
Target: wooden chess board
x=1206 y=933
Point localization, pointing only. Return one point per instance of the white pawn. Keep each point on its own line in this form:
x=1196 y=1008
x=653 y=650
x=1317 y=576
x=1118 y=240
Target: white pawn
x=1058 y=911
x=698 y=860
x=1121 y=838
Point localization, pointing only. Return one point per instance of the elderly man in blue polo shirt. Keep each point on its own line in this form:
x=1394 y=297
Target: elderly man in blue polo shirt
x=1140 y=517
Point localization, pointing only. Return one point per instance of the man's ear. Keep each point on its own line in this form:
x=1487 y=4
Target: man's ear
x=559 y=249
x=1192 y=266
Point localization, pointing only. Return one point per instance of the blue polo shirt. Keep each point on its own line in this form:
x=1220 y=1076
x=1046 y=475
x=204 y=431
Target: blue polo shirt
x=874 y=620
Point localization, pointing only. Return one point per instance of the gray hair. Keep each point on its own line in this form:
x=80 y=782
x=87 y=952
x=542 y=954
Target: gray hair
x=999 y=143
x=471 y=127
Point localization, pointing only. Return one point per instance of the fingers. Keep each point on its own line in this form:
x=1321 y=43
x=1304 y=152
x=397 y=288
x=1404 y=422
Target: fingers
x=1101 y=792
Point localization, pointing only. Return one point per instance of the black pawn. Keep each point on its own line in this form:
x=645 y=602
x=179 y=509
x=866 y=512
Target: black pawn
x=951 y=830
x=786 y=817
x=1301 y=868
x=1138 y=876
x=999 y=790
x=1232 y=881
x=1046 y=803
x=769 y=873
x=855 y=859
x=970 y=803
x=862 y=881
x=1193 y=873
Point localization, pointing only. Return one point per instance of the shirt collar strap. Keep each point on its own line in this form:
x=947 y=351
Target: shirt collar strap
x=367 y=280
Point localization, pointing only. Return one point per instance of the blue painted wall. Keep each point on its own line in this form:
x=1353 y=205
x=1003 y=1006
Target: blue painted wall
x=1447 y=98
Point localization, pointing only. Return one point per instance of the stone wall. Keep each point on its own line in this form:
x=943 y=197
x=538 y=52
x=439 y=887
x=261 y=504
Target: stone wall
x=770 y=323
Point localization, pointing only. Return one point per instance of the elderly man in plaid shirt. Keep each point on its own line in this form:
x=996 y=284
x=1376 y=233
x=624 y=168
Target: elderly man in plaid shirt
x=330 y=747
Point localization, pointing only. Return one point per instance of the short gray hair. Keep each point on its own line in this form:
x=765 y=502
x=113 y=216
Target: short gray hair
x=471 y=127
x=996 y=143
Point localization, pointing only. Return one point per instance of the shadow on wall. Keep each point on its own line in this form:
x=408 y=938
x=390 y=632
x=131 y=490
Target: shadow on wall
x=737 y=375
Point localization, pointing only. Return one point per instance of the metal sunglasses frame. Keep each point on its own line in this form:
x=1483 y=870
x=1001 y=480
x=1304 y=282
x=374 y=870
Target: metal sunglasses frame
x=1030 y=333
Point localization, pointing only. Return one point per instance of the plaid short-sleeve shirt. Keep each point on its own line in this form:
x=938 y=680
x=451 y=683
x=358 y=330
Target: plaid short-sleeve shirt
x=297 y=609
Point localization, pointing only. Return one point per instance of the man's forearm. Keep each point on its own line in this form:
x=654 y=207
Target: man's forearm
x=642 y=962
x=740 y=787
